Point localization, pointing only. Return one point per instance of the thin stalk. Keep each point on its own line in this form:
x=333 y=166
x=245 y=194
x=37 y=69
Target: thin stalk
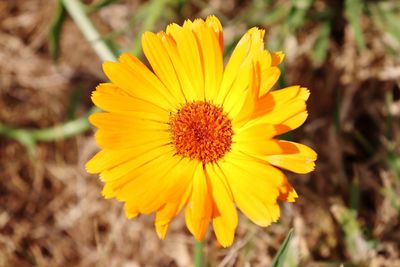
x=29 y=137
x=199 y=254
x=77 y=11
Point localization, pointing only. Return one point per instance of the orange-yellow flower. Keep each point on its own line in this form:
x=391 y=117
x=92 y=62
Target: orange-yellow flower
x=192 y=134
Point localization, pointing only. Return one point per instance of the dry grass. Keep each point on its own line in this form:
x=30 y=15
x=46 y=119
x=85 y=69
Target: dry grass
x=51 y=210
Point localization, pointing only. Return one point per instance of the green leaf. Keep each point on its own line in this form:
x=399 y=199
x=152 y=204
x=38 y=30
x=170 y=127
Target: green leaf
x=280 y=257
x=353 y=11
x=387 y=18
x=98 y=5
x=55 y=30
x=298 y=14
x=321 y=44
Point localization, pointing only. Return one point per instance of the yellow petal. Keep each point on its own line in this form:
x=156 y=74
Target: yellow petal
x=108 y=159
x=145 y=155
x=301 y=161
x=263 y=147
x=162 y=65
x=287 y=192
x=225 y=223
x=282 y=112
x=131 y=138
x=111 y=98
x=211 y=56
x=188 y=88
x=269 y=77
x=232 y=68
x=255 y=188
x=256 y=133
x=242 y=115
x=125 y=122
x=236 y=78
x=291 y=123
x=136 y=80
x=143 y=183
x=150 y=190
x=213 y=23
x=171 y=209
x=277 y=58
x=189 y=54
x=199 y=209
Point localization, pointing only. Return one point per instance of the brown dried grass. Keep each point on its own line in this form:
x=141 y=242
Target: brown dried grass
x=51 y=210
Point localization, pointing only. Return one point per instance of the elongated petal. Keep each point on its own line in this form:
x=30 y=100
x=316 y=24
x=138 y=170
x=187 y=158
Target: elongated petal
x=113 y=99
x=136 y=80
x=253 y=188
x=301 y=161
x=211 y=56
x=199 y=209
x=236 y=78
x=189 y=54
x=226 y=221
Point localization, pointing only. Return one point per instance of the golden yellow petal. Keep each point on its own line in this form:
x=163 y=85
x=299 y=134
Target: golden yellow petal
x=113 y=99
x=301 y=161
x=162 y=65
x=226 y=221
x=263 y=147
x=126 y=180
x=182 y=71
x=255 y=188
x=269 y=76
x=291 y=123
x=242 y=115
x=232 y=68
x=239 y=72
x=125 y=122
x=211 y=57
x=107 y=159
x=214 y=23
x=189 y=54
x=278 y=108
x=257 y=132
x=144 y=156
x=136 y=80
x=287 y=192
x=199 y=208
x=108 y=139
x=131 y=210
x=277 y=58
x=171 y=209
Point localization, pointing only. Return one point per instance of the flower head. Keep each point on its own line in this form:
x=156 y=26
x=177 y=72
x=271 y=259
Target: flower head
x=192 y=134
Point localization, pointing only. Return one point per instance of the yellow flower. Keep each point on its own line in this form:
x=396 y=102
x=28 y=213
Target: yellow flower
x=195 y=135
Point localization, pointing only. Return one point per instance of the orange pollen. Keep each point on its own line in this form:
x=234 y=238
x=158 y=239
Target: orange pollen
x=201 y=131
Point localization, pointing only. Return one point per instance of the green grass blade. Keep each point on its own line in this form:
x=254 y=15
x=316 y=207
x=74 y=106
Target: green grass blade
x=280 y=257
x=98 y=5
x=298 y=14
x=354 y=11
x=321 y=44
x=55 y=31
x=389 y=20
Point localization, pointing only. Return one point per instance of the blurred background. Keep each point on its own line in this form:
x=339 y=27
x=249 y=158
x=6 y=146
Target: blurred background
x=345 y=52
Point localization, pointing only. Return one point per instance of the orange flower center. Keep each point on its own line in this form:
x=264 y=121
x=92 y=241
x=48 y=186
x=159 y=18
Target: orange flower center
x=201 y=131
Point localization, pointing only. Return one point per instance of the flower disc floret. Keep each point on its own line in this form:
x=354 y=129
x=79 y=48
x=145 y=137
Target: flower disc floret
x=201 y=131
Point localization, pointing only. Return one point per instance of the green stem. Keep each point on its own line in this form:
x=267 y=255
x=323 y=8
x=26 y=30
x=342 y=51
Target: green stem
x=76 y=11
x=199 y=254
x=29 y=137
